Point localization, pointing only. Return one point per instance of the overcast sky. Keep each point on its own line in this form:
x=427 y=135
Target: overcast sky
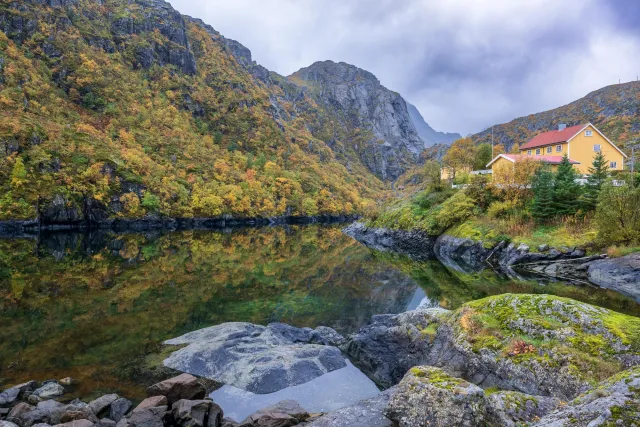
x=466 y=64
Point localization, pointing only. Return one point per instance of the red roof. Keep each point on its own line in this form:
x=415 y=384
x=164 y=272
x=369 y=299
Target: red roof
x=553 y=137
x=552 y=160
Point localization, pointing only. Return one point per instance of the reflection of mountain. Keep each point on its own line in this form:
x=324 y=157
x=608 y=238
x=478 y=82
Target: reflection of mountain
x=73 y=300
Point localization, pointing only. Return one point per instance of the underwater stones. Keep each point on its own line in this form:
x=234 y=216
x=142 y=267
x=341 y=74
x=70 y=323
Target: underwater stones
x=366 y=413
x=256 y=358
x=427 y=396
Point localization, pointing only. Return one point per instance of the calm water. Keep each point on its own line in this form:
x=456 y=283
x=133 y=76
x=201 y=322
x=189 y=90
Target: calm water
x=93 y=306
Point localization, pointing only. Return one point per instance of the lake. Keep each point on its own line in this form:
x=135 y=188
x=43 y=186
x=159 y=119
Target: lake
x=96 y=306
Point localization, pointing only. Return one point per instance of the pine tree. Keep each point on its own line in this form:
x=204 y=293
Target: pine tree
x=566 y=191
x=543 y=191
x=598 y=174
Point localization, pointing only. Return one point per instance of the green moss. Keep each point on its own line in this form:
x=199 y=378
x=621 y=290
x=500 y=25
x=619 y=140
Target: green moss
x=430 y=331
x=437 y=377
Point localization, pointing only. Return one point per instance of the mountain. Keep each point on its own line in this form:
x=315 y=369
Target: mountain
x=127 y=109
x=426 y=132
x=615 y=110
x=374 y=121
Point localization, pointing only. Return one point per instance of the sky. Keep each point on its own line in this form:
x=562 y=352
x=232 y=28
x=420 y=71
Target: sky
x=466 y=64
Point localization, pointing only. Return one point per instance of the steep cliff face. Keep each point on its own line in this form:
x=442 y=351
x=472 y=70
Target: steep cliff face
x=615 y=110
x=430 y=136
x=354 y=99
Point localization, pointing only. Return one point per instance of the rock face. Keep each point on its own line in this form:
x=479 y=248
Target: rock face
x=357 y=100
x=426 y=132
x=615 y=402
x=427 y=396
x=512 y=409
x=464 y=255
x=416 y=244
x=390 y=345
x=256 y=358
x=539 y=345
x=619 y=274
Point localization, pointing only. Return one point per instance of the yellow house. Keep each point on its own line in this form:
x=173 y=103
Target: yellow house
x=580 y=143
x=508 y=160
x=446 y=173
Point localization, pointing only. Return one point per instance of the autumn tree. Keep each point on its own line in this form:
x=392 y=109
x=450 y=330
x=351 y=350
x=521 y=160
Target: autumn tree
x=461 y=156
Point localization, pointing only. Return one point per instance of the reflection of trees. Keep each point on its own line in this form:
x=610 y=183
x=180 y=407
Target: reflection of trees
x=453 y=288
x=102 y=299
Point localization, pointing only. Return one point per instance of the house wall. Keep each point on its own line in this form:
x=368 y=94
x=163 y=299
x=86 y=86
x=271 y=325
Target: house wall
x=543 y=150
x=499 y=164
x=581 y=150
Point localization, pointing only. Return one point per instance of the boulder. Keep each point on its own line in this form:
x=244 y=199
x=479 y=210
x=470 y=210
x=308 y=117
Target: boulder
x=119 y=409
x=147 y=417
x=9 y=396
x=21 y=408
x=183 y=386
x=256 y=358
x=390 y=345
x=49 y=390
x=615 y=402
x=76 y=410
x=513 y=409
x=101 y=404
x=196 y=413
x=7 y=424
x=619 y=274
x=283 y=414
x=153 y=401
x=228 y=422
x=106 y=422
x=367 y=413
x=427 y=396
x=76 y=423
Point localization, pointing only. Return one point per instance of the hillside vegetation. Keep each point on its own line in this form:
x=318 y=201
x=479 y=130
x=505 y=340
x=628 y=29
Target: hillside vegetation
x=122 y=109
x=615 y=110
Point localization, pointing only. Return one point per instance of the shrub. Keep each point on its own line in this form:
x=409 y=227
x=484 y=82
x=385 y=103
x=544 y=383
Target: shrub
x=479 y=191
x=455 y=210
x=618 y=215
x=502 y=210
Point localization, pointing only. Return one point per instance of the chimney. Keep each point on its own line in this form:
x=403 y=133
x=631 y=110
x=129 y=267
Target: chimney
x=562 y=126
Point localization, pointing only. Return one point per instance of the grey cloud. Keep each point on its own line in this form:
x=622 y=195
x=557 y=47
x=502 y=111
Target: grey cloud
x=466 y=64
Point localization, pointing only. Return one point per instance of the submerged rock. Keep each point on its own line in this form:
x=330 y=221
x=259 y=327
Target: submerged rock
x=414 y=243
x=427 y=396
x=367 y=413
x=619 y=274
x=256 y=358
x=615 y=402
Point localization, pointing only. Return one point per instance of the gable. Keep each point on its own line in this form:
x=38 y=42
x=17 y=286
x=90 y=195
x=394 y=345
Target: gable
x=597 y=137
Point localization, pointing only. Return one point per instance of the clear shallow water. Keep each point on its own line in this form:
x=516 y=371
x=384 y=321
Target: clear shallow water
x=93 y=306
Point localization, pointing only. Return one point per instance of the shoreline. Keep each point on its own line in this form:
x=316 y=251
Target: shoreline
x=16 y=228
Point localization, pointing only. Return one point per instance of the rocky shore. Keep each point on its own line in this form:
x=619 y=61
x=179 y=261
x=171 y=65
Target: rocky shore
x=508 y=360
x=468 y=256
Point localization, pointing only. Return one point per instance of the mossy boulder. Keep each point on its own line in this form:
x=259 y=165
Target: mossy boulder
x=428 y=396
x=514 y=409
x=616 y=402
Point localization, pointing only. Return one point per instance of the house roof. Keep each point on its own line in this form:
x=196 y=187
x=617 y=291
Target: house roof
x=552 y=160
x=553 y=137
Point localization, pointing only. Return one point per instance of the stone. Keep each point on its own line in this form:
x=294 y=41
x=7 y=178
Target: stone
x=196 y=413
x=106 y=422
x=513 y=409
x=75 y=410
x=390 y=345
x=367 y=413
x=67 y=381
x=226 y=422
x=543 y=248
x=183 y=386
x=282 y=414
x=119 y=409
x=33 y=399
x=9 y=396
x=41 y=425
x=619 y=274
x=153 y=401
x=614 y=402
x=256 y=358
x=147 y=417
x=76 y=423
x=48 y=390
x=427 y=396
x=102 y=403
x=19 y=409
x=49 y=405
x=7 y=424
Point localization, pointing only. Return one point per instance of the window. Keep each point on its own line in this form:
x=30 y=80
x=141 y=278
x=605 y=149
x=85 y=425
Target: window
x=558 y=148
x=588 y=133
x=549 y=150
x=529 y=152
x=597 y=148
x=537 y=152
x=613 y=165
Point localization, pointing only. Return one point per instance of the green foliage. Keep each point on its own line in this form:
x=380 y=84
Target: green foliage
x=618 y=215
x=542 y=208
x=566 y=191
x=453 y=211
x=598 y=174
x=151 y=202
x=482 y=157
x=502 y=209
x=480 y=191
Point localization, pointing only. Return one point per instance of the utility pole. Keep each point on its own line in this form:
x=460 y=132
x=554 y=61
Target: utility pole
x=492 y=155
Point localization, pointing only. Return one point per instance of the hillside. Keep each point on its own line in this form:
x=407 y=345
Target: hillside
x=128 y=109
x=430 y=136
x=615 y=110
